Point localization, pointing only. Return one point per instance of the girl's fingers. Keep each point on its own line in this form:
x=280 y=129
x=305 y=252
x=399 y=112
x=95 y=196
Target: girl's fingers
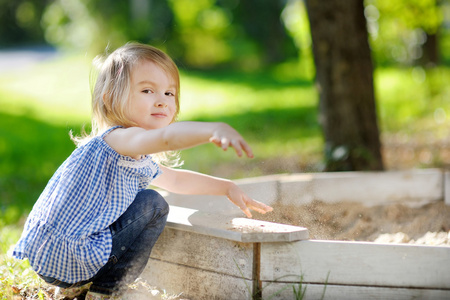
x=241 y=146
x=225 y=143
x=215 y=140
x=243 y=207
x=245 y=203
x=261 y=210
x=256 y=205
x=237 y=147
x=247 y=212
x=259 y=207
x=247 y=149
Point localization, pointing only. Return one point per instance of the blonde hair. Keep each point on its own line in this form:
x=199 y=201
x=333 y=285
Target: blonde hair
x=112 y=88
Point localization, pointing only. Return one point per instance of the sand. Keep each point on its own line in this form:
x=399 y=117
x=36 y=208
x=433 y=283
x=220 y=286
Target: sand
x=393 y=223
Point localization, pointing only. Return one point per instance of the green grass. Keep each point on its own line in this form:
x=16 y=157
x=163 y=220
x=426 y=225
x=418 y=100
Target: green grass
x=31 y=151
x=409 y=99
x=15 y=275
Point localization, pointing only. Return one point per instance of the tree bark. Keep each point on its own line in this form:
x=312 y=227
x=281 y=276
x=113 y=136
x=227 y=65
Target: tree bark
x=430 y=48
x=344 y=74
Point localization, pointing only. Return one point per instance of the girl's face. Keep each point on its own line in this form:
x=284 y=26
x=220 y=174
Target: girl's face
x=152 y=96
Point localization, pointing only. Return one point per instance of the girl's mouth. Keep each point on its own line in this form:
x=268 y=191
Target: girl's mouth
x=159 y=115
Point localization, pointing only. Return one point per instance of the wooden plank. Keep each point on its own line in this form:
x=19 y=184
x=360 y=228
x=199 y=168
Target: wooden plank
x=233 y=228
x=284 y=291
x=357 y=263
x=371 y=188
x=447 y=187
x=195 y=283
x=204 y=252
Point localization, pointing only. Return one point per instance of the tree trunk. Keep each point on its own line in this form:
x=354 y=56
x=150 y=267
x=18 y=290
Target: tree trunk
x=344 y=74
x=430 y=48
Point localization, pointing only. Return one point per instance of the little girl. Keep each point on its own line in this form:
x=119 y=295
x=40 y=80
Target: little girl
x=95 y=222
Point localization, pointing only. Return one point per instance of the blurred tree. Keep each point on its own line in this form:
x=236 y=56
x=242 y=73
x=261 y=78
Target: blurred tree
x=248 y=34
x=405 y=31
x=344 y=74
x=244 y=34
x=20 y=22
x=200 y=34
x=261 y=21
x=295 y=19
x=92 y=25
x=202 y=31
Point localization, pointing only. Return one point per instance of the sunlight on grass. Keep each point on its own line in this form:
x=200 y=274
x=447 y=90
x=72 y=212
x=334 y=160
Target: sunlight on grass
x=414 y=100
x=207 y=97
x=57 y=91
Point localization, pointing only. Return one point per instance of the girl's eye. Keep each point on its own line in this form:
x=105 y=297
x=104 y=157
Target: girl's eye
x=147 y=91
x=169 y=94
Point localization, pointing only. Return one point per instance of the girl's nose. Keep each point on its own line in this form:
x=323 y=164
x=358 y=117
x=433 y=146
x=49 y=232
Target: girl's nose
x=161 y=103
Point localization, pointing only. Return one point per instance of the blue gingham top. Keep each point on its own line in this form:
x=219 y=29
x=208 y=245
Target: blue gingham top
x=67 y=235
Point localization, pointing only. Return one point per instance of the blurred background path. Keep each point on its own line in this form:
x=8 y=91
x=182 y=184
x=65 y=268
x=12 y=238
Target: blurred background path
x=20 y=58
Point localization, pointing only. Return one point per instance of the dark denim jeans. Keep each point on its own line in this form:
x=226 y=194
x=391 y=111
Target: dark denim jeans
x=133 y=236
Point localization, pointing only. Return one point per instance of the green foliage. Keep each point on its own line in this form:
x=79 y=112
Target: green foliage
x=299 y=292
x=413 y=100
x=295 y=19
x=399 y=29
x=244 y=34
x=205 y=34
x=200 y=33
x=92 y=25
x=203 y=30
x=20 y=22
x=411 y=14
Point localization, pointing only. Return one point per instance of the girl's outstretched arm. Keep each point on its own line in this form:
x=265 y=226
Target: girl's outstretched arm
x=193 y=183
x=136 y=141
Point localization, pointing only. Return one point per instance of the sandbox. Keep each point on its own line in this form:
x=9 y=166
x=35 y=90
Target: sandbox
x=210 y=251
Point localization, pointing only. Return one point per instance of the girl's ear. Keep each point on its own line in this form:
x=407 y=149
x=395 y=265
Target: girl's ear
x=106 y=102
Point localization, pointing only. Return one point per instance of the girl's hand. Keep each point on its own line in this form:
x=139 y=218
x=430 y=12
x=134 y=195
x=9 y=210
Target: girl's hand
x=245 y=203
x=225 y=136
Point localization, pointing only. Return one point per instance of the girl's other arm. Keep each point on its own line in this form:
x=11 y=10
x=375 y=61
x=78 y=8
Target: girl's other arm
x=136 y=141
x=193 y=183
